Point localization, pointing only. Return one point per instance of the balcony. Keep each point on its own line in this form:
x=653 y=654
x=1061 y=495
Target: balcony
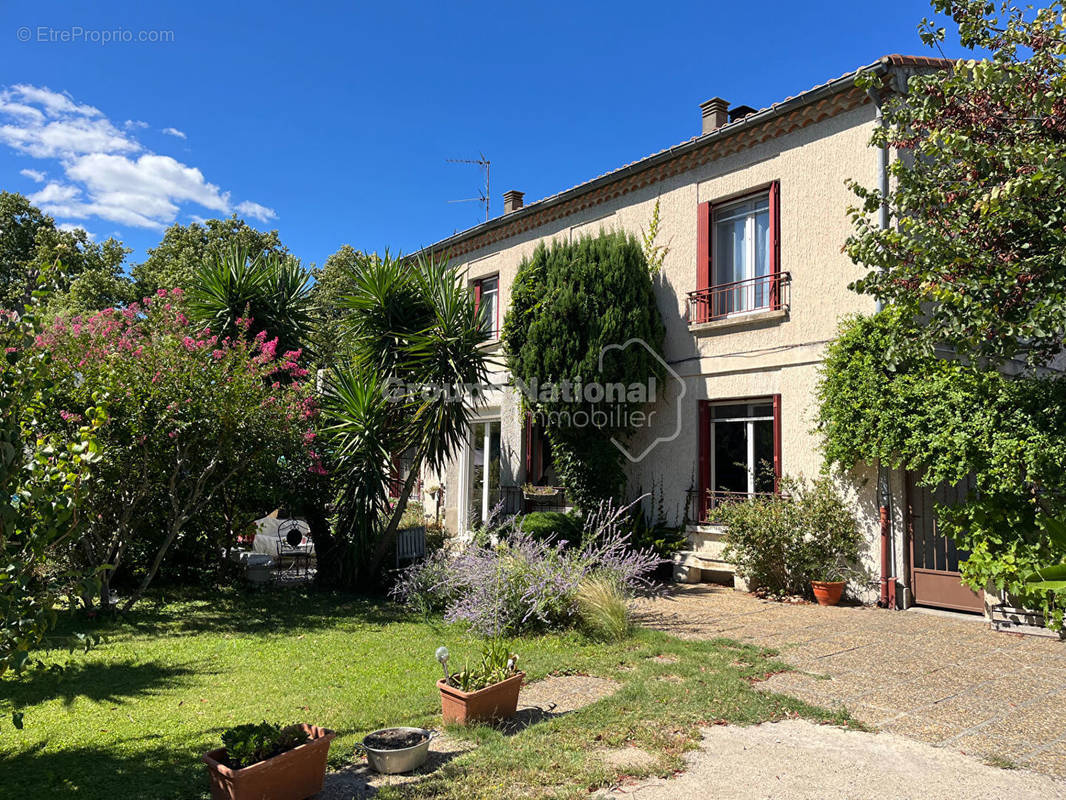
x=753 y=301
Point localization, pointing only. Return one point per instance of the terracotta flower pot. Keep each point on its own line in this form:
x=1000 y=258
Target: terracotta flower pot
x=827 y=593
x=498 y=701
x=293 y=775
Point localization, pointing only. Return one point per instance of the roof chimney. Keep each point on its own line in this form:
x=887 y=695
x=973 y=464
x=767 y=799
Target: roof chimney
x=739 y=112
x=512 y=200
x=715 y=114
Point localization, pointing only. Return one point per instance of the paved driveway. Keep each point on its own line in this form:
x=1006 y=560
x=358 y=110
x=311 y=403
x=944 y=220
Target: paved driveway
x=940 y=679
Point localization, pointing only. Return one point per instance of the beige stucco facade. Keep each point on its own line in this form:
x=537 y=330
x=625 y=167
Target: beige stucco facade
x=754 y=356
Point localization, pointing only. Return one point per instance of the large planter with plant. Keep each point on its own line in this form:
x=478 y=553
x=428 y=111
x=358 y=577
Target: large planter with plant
x=827 y=593
x=268 y=761
x=484 y=693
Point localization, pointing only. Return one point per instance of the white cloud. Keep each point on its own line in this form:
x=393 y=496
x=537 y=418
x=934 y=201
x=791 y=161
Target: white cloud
x=109 y=174
x=256 y=211
x=54 y=193
x=69 y=226
x=54 y=103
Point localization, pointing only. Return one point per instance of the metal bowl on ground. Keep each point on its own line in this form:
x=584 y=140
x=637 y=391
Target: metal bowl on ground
x=392 y=761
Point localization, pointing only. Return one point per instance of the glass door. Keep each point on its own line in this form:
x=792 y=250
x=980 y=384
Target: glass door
x=484 y=472
x=742 y=256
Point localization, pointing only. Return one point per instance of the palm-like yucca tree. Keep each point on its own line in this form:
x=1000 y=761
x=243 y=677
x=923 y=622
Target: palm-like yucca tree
x=414 y=333
x=358 y=424
x=272 y=290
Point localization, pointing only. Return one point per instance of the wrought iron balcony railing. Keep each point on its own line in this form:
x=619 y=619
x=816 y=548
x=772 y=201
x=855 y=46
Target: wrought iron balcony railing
x=765 y=293
x=695 y=513
x=520 y=500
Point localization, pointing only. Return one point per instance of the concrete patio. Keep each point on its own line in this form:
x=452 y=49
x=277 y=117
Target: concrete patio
x=943 y=679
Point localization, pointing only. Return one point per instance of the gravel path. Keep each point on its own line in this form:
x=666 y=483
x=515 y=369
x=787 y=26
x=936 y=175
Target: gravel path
x=947 y=680
x=797 y=759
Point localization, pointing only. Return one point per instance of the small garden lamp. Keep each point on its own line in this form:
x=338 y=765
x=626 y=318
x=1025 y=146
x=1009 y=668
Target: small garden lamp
x=442 y=657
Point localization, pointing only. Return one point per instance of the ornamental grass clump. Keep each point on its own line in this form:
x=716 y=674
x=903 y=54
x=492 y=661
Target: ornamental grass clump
x=523 y=584
x=603 y=607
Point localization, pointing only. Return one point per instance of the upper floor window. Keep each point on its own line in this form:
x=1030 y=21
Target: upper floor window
x=738 y=268
x=487 y=301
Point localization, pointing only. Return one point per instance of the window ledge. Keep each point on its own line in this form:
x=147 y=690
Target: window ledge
x=492 y=346
x=751 y=319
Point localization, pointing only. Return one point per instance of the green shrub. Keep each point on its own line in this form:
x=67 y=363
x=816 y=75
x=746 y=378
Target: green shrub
x=659 y=537
x=249 y=744
x=783 y=543
x=603 y=608
x=556 y=525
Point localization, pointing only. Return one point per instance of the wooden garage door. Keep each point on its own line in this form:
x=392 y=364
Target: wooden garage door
x=935 y=559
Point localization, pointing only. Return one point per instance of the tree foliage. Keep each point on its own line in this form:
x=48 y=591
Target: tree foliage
x=575 y=306
x=333 y=282
x=90 y=275
x=184 y=249
x=414 y=336
x=43 y=477
x=977 y=244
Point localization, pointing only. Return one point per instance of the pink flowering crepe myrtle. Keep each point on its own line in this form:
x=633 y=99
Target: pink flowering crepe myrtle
x=134 y=339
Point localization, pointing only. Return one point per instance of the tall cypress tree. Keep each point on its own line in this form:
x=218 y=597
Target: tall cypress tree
x=574 y=308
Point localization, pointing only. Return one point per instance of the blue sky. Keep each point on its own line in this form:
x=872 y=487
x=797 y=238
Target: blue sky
x=332 y=121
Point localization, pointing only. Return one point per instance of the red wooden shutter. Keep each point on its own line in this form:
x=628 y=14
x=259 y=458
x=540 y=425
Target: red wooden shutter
x=775 y=244
x=703 y=260
x=477 y=295
x=704 y=468
x=499 y=295
x=529 y=447
x=777 y=443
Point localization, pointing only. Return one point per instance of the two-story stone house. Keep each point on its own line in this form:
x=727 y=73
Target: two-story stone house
x=754 y=213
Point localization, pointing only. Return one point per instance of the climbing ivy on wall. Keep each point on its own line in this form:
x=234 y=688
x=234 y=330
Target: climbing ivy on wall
x=948 y=420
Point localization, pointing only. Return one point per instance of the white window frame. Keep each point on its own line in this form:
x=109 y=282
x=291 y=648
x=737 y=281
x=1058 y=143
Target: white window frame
x=749 y=434
x=730 y=212
x=494 y=324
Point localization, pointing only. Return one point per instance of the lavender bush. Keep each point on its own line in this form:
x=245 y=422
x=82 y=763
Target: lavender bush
x=521 y=584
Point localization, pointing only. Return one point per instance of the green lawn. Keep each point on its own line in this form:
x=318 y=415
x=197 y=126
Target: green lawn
x=131 y=718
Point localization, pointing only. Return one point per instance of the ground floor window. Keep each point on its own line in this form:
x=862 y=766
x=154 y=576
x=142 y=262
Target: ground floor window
x=739 y=449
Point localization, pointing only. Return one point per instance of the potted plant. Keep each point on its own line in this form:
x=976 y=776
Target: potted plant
x=486 y=692
x=835 y=578
x=828 y=592
x=267 y=760
x=393 y=750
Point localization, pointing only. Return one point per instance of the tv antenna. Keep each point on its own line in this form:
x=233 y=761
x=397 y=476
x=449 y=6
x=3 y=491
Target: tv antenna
x=483 y=197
